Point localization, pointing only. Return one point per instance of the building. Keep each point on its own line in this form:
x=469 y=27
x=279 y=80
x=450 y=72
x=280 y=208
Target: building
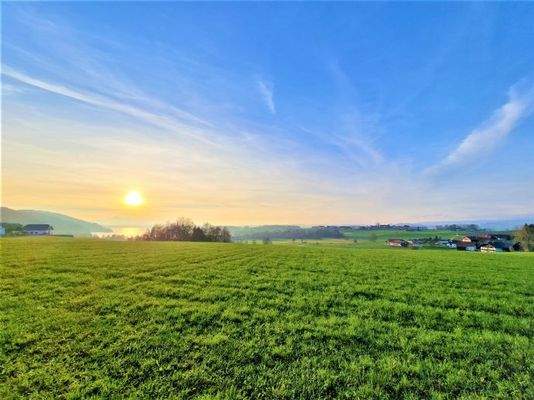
x=38 y=229
x=397 y=243
x=489 y=248
x=503 y=245
x=415 y=243
x=469 y=239
x=466 y=246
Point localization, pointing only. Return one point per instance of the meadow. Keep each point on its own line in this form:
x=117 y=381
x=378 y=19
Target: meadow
x=82 y=318
x=382 y=235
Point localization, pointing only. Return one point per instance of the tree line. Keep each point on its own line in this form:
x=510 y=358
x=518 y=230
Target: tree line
x=184 y=230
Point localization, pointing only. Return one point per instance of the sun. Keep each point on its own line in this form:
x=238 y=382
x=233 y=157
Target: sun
x=133 y=199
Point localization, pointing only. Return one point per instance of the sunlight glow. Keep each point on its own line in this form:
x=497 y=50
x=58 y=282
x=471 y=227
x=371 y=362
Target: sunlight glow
x=133 y=199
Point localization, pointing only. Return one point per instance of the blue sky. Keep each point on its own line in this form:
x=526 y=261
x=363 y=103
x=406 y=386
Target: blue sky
x=269 y=112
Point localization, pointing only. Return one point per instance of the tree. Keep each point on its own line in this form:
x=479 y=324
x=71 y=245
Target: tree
x=226 y=237
x=198 y=235
x=525 y=236
x=185 y=230
x=13 y=229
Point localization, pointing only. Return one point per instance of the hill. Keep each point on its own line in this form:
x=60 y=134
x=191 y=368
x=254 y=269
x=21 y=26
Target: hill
x=489 y=224
x=63 y=224
x=86 y=318
x=281 y=232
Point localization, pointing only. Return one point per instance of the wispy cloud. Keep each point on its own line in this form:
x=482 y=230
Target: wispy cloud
x=485 y=138
x=98 y=100
x=267 y=92
x=193 y=142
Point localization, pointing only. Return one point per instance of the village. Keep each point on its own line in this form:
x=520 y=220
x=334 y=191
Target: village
x=484 y=242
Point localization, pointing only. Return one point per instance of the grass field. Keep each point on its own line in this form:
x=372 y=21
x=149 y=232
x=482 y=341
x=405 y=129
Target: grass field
x=382 y=235
x=349 y=243
x=103 y=319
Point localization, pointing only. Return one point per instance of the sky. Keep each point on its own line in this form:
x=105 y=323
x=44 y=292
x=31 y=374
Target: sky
x=269 y=113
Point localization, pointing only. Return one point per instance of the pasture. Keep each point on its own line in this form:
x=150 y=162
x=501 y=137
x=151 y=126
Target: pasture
x=102 y=319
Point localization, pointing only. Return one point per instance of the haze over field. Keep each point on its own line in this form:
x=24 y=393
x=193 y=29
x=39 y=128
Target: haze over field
x=263 y=113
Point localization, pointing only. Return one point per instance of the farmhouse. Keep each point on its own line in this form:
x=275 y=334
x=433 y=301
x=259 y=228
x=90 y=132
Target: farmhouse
x=489 y=248
x=397 y=243
x=466 y=246
x=38 y=229
x=415 y=243
x=469 y=239
x=502 y=245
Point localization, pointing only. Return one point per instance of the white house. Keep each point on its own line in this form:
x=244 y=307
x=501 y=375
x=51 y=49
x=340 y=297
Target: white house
x=489 y=248
x=397 y=242
x=38 y=229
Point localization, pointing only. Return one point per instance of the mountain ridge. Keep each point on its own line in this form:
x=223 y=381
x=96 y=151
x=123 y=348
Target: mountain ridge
x=62 y=223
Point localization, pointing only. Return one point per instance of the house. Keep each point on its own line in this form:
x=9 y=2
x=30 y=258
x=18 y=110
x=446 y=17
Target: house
x=415 y=243
x=452 y=244
x=397 y=243
x=469 y=239
x=466 y=246
x=498 y=245
x=489 y=248
x=503 y=245
x=38 y=229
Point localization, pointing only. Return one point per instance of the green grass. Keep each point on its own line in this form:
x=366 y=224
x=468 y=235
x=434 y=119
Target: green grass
x=103 y=319
x=385 y=234
x=348 y=243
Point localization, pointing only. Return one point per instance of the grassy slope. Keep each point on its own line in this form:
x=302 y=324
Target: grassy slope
x=93 y=318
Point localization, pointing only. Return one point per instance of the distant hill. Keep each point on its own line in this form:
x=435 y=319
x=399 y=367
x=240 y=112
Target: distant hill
x=282 y=232
x=491 y=224
x=63 y=224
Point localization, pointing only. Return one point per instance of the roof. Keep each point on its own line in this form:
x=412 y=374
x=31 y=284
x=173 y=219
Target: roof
x=396 y=240
x=475 y=238
x=38 y=227
x=465 y=244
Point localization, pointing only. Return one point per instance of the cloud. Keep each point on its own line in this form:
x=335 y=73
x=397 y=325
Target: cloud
x=267 y=93
x=98 y=100
x=484 y=139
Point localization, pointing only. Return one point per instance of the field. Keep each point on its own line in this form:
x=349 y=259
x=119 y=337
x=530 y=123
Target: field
x=372 y=239
x=381 y=235
x=102 y=319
